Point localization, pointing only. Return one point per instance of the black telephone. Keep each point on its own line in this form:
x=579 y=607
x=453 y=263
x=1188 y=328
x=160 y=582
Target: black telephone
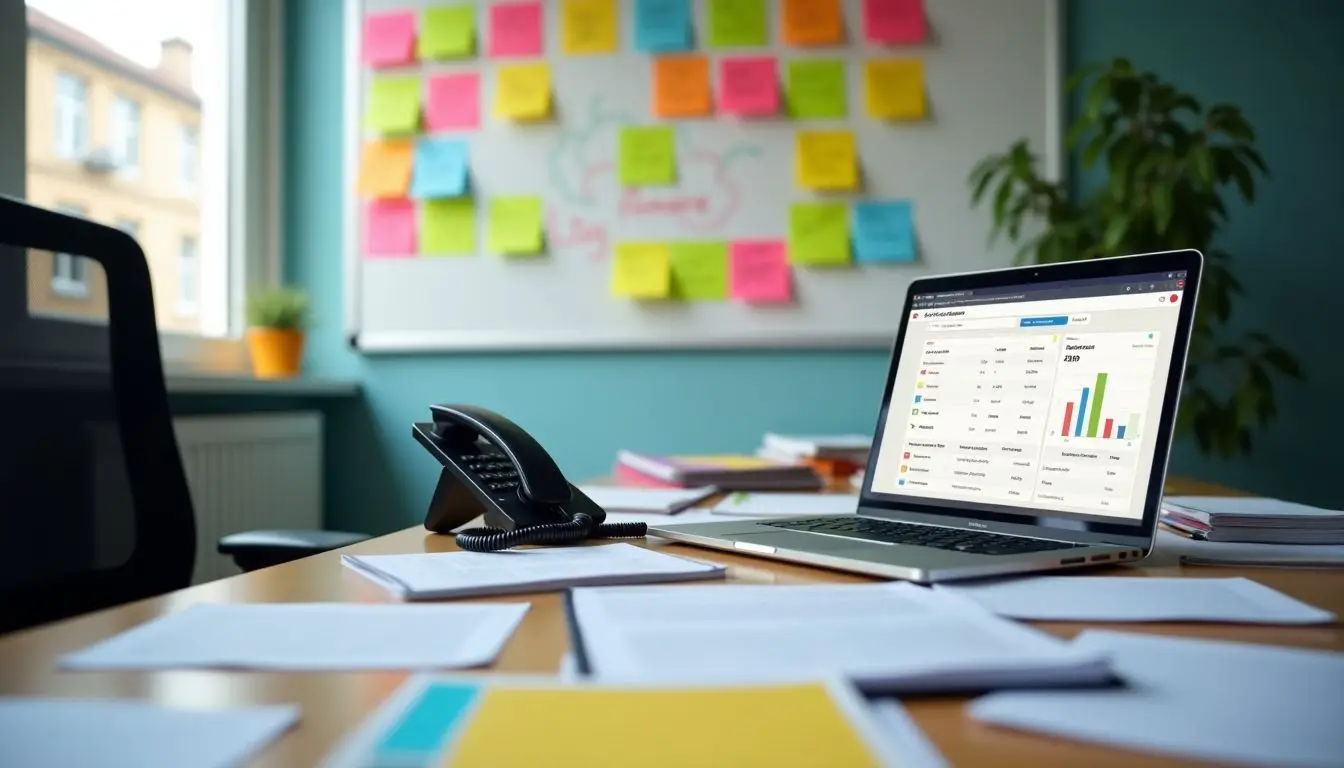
x=491 y=466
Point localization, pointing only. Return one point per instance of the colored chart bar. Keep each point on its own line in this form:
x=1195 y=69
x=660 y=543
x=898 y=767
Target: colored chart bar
x=1082 y=409
x=1095 y=420
x=1068 y=419
x=1132 y=426
x=1106 y=430
x=1120 y=432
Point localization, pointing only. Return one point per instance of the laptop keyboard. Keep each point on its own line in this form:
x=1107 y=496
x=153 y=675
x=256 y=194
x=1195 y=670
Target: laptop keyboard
x=973 y=542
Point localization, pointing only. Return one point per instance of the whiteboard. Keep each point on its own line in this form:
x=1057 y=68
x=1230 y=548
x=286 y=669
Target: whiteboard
x=992 y=76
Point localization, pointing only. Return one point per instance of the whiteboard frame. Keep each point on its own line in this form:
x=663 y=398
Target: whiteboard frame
x=429 y=342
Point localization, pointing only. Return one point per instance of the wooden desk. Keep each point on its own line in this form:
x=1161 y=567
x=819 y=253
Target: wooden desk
x=335 y=703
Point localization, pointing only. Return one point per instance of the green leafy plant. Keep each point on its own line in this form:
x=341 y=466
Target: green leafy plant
x=1168 y=163
x=283 y=309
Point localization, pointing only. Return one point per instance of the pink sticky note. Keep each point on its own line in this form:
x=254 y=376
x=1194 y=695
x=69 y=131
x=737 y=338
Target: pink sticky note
x=454 y=102
x=389 y=228
x=515 y=29
x=389 y=39
x=759 y=271
x=748 y=86
x=894 y=21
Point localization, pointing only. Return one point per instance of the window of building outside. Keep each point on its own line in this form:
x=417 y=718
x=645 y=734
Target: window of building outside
x=72 y=116
x=188 y=277
x=187 y=152
x=126 y=136
x=69 y=274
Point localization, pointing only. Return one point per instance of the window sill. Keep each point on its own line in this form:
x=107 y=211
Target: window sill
x=187 y=383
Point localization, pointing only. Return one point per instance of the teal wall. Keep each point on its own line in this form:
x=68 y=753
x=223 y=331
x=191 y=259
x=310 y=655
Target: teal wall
x=584 y=407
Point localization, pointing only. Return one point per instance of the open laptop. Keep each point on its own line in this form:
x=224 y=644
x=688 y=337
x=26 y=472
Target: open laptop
x=1025 y=426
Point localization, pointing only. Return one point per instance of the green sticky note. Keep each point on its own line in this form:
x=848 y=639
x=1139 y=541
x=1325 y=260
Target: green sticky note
x=393 y=107
x=515 y=225
x=648 y=155
x=700 y=271
x=448 y=227
x=447 y=31
x=737 y=23
x=819 y=233
x=816 y=88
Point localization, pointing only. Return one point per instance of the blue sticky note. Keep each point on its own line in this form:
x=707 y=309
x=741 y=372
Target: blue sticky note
x=883 y=231
x=426 y=723
x=663 y=25
x=440 y=168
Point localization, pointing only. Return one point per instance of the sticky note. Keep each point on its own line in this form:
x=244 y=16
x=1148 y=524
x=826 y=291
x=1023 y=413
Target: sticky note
x=454 y=102
x=813 y=22
x=515 y=29
x=514 y=225
x=662 y=26
x=385 y=168
x=447 y=31
x=759 y=271
x=894 y=88
x=393 y=106
x=700 y=271
x=389 y=39
x=894 y=21
x=389 y=228
x=588 y=26
x=648 y=156
x=816 y=88
x=641 y=271
x=681 y=86
x=440 y=168
x=523 y=91
x=448 y=227
x=825 y=160
x=737 y=23
x=883 y=231
x=748 y=86
x=819 y=233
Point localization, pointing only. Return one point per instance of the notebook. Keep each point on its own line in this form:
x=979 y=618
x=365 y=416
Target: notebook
x=664 y=501
x=1252 y=519
x=728 y=472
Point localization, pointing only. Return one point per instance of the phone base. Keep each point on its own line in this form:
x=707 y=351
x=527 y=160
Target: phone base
x=454 y=505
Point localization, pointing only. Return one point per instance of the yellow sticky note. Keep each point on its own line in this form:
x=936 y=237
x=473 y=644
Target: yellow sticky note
x=448 y=226
x=447 y=31
x=642 y=271
x=393 y=107
x=385 y=168
x=826 y=160
x=819 y=233
x=523 y=91
x=514 y=225
x=813 y=22
x=589 y=26
x=894 y=88
x=648 y=156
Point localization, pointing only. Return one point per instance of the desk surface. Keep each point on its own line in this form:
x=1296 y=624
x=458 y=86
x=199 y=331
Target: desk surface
x=334 y=703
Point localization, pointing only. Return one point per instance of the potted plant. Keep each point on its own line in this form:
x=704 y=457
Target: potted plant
x=275 y=333
x=1168 y=163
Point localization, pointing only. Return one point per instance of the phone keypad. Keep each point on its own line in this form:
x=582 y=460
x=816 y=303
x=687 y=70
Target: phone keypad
x=495 y=471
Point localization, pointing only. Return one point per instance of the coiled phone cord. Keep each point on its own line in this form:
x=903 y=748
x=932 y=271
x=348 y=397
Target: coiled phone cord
x=581 y=527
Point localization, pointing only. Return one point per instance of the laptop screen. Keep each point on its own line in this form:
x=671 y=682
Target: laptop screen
x=1043 y=397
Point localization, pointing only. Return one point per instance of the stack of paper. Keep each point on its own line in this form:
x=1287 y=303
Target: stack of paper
x=885 y=637
x=835 y=457
x=435 y=576
x=659 y=501
x=1197 y=552
x=1258 y=520
x=786 y=504
x=728 y=472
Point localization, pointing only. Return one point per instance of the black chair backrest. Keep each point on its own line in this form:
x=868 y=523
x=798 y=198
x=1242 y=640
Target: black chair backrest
x=161 y=555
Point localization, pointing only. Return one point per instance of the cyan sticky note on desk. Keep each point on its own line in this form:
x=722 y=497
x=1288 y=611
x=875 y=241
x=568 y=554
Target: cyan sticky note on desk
x=440 y=169
x=662 y=25
x=883 y=231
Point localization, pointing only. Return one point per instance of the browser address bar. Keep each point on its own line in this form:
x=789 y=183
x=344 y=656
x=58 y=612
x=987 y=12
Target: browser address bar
x=978 y=324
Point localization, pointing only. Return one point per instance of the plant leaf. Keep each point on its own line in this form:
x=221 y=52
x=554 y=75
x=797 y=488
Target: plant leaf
x=1115 y=232
x=1284 y=362
x=1162 y=207
x=1242 y=175
x=1097 y=95
x=1202 y=163
x=1094 y=149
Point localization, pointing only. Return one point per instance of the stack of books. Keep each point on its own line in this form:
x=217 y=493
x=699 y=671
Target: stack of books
x=1252 y=520
x=727 y=472
x=835 y=457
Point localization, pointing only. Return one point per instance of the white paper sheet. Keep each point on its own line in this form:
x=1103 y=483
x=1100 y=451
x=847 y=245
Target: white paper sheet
x=464 y=574
x=64 y=733
x=1138 y=598
x=310 y=636
x=1231 y=703
x=1195 y=552
x=905 y=736
x=667 y=501
x=892 y=637
x=786 y=504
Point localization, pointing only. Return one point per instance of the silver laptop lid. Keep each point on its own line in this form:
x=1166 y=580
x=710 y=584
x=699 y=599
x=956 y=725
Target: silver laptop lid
x=1036 y=400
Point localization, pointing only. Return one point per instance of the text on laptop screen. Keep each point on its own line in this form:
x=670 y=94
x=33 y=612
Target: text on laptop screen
x=1044 y=397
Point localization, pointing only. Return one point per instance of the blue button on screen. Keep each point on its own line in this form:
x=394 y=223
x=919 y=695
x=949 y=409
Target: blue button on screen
x=1031 y=322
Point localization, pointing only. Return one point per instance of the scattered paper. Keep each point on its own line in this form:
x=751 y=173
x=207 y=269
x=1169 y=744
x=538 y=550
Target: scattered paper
x=816 y=88
x=826 y=160
x=700 y=271
x=1193 y=552
x=389 y=39
x=588 y=26
x=1212 y=700
x=389 y=228
x=787 y=504
x=448 y=227
x=309 y=636
x=440 y=168
x=448 y=31
x=905 y=736
x=681 y=86
x=667 y=501
x=894 y=88
x=515 y=29
x=514 y=226
x=641 y=271
x=819 y=233
x=91 y=733
x=523 y=91
x=385 y=168
x=648 y=156
x=737 y=23
x=813 y=22
x=883 y=231
x=663 y=26
x=454 y=102
x=759 y=272
x=749 y=86
x=894 y=22
x=394 y=106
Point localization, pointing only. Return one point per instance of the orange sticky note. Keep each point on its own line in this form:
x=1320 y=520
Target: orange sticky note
x=681 y=86
x=813 y=22
x=385 y=168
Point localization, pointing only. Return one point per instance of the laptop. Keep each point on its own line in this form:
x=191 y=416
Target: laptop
x=1025 y=426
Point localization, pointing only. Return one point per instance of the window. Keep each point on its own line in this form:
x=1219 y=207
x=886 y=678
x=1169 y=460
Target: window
x=188 y=276
x=128 y=226
x=126 y=135
x=72 y=116
x=69 y=274
x=186 y=173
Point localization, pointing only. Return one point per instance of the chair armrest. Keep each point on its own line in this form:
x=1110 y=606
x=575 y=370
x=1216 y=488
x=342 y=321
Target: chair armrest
x=259 y=549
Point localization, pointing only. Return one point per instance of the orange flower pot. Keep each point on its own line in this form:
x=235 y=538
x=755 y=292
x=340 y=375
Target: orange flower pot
x=276 y=353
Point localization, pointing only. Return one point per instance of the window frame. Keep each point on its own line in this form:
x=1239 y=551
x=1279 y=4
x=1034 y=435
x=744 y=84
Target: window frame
x=69 y=273
x=70 y=139
x=123 y=130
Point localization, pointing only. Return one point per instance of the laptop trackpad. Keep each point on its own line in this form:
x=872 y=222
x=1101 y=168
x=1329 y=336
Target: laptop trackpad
x=803 y=541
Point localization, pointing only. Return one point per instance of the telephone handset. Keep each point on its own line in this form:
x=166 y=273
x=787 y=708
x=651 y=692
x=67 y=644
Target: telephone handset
x=492 y=467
